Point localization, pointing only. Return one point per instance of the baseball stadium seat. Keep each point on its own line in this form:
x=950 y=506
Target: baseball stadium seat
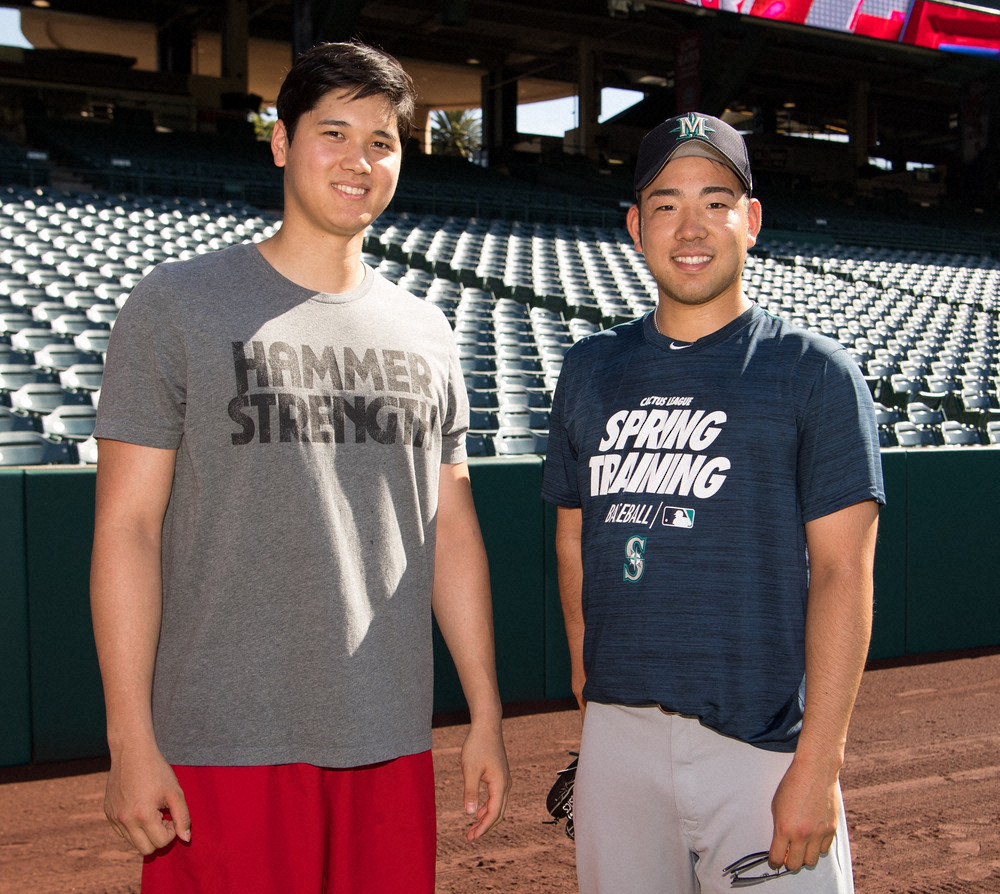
x=31 y=448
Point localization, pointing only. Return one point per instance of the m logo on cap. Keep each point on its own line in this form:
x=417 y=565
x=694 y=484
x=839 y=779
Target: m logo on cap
x=691 y=134
x=693 y=126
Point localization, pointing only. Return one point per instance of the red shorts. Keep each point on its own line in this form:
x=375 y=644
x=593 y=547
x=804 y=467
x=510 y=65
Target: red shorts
x=300 y=829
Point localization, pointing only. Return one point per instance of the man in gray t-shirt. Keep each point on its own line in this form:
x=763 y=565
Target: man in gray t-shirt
x=282 y=457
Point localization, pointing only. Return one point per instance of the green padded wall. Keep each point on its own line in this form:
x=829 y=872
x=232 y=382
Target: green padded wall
x=511 y=514
x=67 y=702
x=936 y=587
x=15 y=699
x=953 y=525
x=889 y=625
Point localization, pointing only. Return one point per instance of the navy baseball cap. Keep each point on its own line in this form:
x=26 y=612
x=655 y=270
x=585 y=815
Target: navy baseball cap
x=692 y=134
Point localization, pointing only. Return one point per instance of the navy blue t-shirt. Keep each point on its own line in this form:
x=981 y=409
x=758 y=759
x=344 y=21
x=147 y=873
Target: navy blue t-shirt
x=696 y=467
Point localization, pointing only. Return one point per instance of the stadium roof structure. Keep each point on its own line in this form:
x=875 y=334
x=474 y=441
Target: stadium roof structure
x=900 y=101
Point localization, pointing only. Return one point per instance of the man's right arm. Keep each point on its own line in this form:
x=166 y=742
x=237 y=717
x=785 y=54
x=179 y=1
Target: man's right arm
x=133 y=488
x=569 y=560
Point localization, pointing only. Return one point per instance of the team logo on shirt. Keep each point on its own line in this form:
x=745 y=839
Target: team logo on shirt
x=635 y=561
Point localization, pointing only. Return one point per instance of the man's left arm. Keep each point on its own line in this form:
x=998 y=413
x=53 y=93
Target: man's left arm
x=838 y=628
x=464 y=611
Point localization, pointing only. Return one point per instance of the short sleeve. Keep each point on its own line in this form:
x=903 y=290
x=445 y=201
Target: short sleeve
x=559 y=477
x=839 y=460
x=455 y=423
x=144 y=383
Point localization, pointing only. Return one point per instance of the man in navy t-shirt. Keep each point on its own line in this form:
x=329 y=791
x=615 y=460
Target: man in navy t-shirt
x=717 y=478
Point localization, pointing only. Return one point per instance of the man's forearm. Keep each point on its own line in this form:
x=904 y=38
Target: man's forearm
x=838 y=627
x=133 y=489
x=464 y=612
x=462 y=599
x=125 y=607
x=569 y=558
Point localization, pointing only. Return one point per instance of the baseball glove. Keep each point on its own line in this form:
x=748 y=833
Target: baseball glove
x=559 y=801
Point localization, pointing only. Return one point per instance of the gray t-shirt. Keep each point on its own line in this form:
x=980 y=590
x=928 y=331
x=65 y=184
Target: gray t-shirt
x=298 y=543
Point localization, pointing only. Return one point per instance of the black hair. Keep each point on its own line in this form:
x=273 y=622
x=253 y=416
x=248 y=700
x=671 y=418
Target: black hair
x=360 y=70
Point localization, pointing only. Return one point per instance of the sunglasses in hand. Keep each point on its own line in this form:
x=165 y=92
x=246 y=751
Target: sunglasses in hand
x=752 y=870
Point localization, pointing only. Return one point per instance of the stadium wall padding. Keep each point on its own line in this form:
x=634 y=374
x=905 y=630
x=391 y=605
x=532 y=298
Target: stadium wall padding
x=67 y=704
x=953 y=543
x=936 y=587
x=889 y=623
x=15 y=691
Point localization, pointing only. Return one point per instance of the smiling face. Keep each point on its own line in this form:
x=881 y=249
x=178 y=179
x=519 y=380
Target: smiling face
x=694 y=223
x=342 y=166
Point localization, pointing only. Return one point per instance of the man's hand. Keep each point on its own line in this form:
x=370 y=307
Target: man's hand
x=141 y=789
x=805 y=810
x=484 y=762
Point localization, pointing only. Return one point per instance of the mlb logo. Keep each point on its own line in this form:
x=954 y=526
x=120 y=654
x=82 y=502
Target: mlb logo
x=676 y=517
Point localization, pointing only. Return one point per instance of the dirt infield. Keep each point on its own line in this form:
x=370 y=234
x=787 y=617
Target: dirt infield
x=922 y=788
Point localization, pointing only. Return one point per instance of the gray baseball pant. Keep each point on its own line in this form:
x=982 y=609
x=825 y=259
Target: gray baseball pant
x=662 y=804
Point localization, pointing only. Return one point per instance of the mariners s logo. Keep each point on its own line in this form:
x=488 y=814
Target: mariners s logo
x=635 y=563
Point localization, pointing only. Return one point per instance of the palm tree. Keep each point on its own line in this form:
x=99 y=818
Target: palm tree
x=457 y=133
x=263 y=124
